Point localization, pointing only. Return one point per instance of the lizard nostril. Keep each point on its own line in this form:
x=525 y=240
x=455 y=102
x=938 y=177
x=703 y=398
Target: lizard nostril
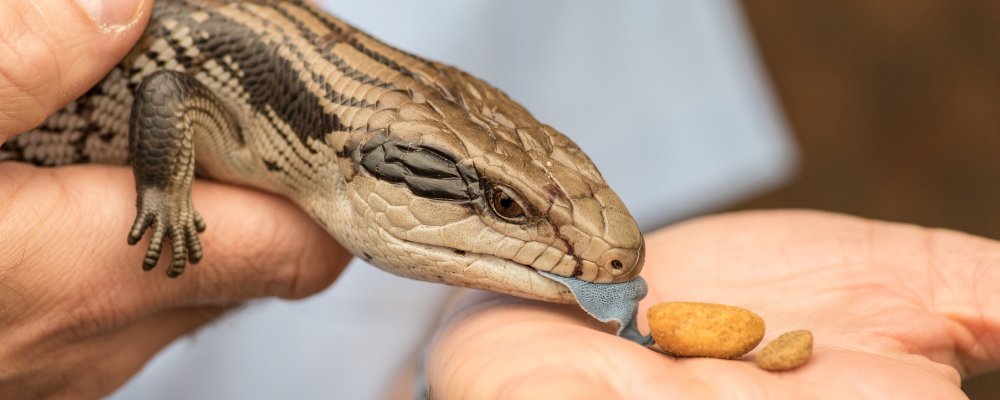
x=620 y=264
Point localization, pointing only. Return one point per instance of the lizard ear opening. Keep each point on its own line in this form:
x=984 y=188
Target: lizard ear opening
x=506 y=204
x=426 y=171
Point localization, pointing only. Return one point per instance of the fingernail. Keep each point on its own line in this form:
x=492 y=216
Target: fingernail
x=112 y=15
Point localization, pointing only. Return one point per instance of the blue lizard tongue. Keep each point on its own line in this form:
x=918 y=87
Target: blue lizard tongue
x=606 y=302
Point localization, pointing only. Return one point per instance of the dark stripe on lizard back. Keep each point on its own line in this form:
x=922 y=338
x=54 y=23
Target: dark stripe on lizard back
x=352 y=40
x=324 y=45
x=323 y=81
x=270 y=81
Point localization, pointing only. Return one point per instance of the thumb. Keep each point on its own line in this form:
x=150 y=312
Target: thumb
x=52 y=51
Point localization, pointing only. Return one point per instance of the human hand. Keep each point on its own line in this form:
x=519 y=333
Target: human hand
x=78 y=315
x=897 y=311
x=51 y=52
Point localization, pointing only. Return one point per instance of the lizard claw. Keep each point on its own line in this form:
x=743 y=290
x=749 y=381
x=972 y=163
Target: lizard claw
x=168 y=217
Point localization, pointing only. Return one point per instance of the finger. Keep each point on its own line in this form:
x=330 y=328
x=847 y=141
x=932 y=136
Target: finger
x=53 y=51
x=256 y=245
x=966 y=273
x=494 y=346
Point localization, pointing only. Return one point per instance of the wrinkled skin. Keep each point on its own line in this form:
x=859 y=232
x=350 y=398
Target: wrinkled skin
x=897 y=311
x=78 y=318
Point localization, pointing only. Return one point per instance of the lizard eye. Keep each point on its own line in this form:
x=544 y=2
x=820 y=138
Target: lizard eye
x=504 y=203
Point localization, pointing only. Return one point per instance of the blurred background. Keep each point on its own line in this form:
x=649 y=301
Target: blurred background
x=894 y=104
x=886 y=110
x=895 y=107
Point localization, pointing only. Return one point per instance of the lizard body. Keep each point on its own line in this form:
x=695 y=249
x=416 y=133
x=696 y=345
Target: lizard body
x=415 y=166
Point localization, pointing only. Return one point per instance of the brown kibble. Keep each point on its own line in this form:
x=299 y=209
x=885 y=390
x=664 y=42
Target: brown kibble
x=704 y=329
x=788 y=351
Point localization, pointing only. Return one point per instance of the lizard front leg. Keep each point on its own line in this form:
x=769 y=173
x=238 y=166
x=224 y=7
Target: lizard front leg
x=169 y=109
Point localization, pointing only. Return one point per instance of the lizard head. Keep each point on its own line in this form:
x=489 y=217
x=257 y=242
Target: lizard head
x=457 y=183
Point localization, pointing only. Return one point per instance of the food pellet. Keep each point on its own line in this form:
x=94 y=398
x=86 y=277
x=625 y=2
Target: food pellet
x=704 y=329
x=788 y=351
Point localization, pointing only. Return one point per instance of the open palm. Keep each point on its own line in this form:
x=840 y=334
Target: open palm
x=897 y=311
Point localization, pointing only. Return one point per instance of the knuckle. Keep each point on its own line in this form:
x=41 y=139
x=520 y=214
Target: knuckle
x=317 y=268
x=239 y=276
x=285 y=261
x=211 y=285
x=83 y=314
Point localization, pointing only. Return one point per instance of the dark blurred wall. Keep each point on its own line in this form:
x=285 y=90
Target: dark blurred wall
x=896 y=107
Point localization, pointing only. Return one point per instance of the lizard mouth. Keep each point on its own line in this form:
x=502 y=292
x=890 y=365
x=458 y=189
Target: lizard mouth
x=606 y=302
x=463 y=268
x=517 y=279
